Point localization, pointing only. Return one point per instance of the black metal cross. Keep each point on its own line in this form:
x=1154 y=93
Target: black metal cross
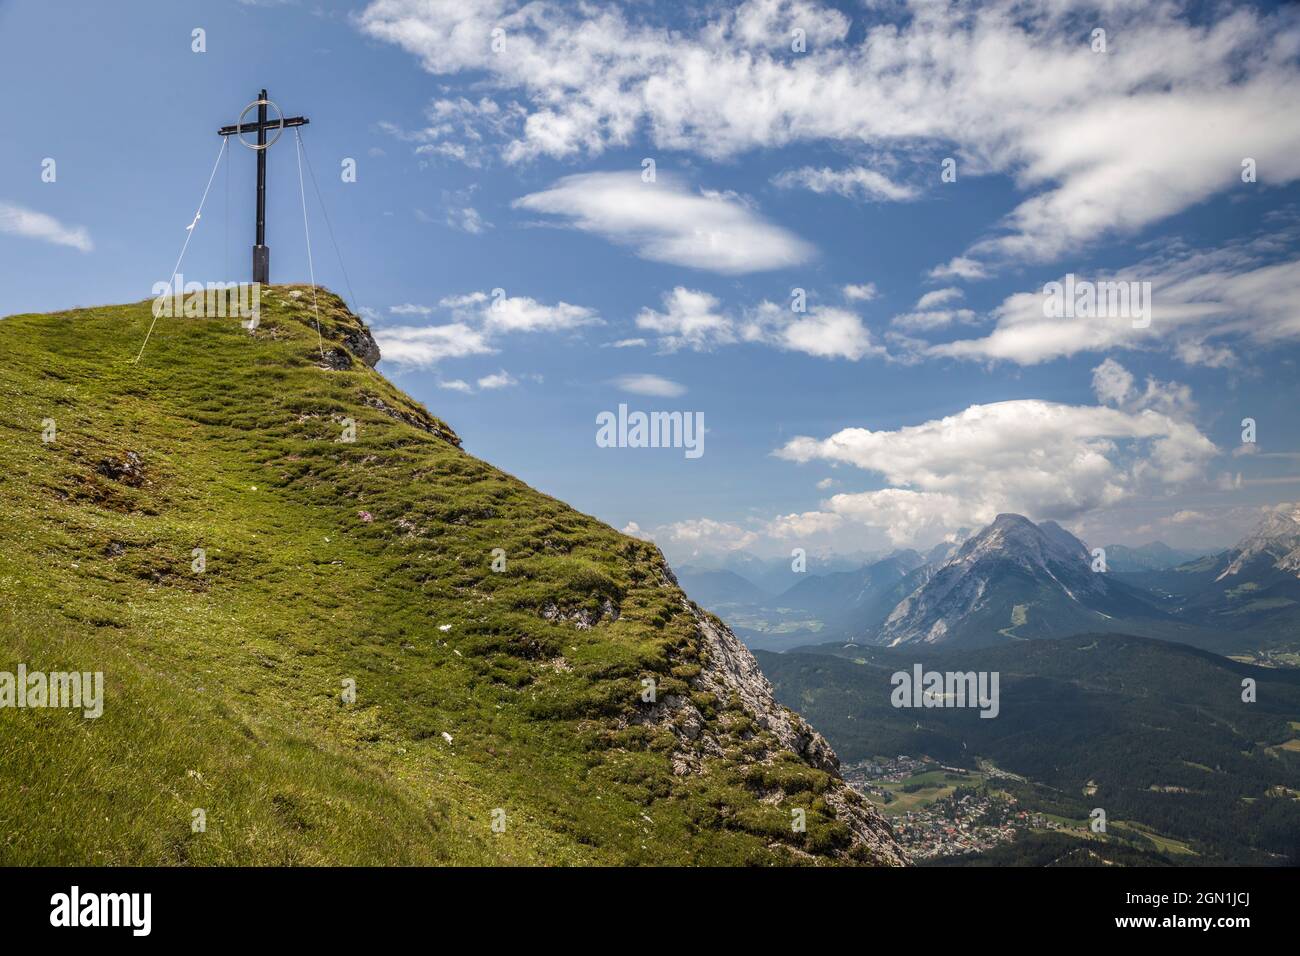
x=261 y=252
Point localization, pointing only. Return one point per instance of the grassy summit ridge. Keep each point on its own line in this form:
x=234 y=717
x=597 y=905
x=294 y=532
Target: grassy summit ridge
x=370 y=561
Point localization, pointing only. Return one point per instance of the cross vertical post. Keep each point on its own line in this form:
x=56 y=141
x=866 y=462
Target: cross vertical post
x=261 y=251
x=261 y=254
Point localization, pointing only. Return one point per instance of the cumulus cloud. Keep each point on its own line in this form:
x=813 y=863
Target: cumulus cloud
x=501 y=379
x=864 y=292
x=804 y=525
x=959 y=267
x=1112 y=383
x=647 y=384
x=30 y=224
x=706 y=535
x=691 y=319
x=665 y=221
x=854 y=182
x=696 y=320
x=479 y=321
x=1044 y=459
x=422 y=346
x=502 y=314
x=822 y=331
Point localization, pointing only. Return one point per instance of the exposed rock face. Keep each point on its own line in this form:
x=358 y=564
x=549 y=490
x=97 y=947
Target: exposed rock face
x=1045 y=564
x=362 y=344
x=731 y=674
x=414 y=416
x=1275 y=541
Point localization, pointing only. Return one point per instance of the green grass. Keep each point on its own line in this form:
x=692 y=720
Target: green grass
x=223 y=689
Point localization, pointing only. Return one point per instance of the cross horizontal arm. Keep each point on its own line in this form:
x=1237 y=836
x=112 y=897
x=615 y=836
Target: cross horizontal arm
x=253 y=127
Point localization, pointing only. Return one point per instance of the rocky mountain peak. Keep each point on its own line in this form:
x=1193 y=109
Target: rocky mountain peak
x=1015 y=537
x=1012 y=562
x=1275 y=539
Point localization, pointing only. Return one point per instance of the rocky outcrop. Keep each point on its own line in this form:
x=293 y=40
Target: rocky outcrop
x=414 y=416
x=362 y=344
x=730 y=674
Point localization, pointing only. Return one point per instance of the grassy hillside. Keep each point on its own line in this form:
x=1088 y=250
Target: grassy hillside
x=369 y=561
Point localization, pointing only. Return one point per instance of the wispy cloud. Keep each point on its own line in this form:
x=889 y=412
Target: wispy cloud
x=1102 y=143
x=30 y=224
x=665 y=221
x=854 y=182
x=647 y=384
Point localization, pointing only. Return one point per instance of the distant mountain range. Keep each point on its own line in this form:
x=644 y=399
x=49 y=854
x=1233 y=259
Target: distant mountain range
x=713 y=589
x=1252 y=589
x=1155 y=556
x=1016 y=580
x=772 y=576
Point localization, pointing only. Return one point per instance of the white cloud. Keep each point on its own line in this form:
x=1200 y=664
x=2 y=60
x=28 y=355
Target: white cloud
x=860 y=293
x=822 y=331
x=20 y=221
x=410 y=308
x=456 y=385
x=854 y=182
x=803 y=525
x=480 y=320
x=665 y=221
x=647 y=384
x=960 y=267
x=1237 y=292
x=422 y=346
x=1112 y=383
x=467 y=219
x=706 y=535
x=501 y=379
x=933 y=319
x=1101 y=143
x=500 y=314
x=694 y=319
x=1040 y=458
x=932 y=300
x=691 y=319
x=626 y=344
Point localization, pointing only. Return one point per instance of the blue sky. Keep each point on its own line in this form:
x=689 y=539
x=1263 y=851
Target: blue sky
x=921 y=390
